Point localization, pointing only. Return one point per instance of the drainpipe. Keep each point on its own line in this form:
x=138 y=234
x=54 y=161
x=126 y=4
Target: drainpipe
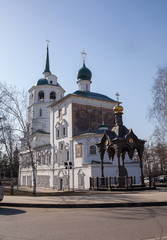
x=53 y=146
x=72 y=160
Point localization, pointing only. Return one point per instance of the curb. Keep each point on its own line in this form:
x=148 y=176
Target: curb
x=84 y=205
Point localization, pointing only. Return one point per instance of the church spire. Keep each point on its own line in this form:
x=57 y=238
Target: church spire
x=47 y=67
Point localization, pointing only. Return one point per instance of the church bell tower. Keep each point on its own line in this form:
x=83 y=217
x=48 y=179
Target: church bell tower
x=46 y=91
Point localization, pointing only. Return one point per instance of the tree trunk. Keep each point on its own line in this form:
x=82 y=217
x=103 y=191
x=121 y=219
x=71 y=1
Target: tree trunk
x=34 y=179
x=141 y=170
x=102 y=165
x=11 y=181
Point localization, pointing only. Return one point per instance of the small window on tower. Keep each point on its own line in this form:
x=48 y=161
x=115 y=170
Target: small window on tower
x=41 y=96
x=50 y=82
x=52 y=96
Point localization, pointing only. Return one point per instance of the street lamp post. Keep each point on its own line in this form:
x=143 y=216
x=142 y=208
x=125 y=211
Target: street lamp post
x=68 y=166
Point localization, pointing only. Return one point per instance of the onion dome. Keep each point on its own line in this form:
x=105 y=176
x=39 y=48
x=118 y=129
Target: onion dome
x=84 y=73
x=42 y=81
x=118 y=109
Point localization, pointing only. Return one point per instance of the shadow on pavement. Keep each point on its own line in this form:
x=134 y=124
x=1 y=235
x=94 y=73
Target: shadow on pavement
x=10 y=211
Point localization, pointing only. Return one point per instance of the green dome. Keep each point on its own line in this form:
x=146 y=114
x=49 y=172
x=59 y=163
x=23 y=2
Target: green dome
x=84 y=73
x=103 y=127
x=42 y=81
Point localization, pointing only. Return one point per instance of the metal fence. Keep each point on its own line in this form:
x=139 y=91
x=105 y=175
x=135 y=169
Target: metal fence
x=107 y=183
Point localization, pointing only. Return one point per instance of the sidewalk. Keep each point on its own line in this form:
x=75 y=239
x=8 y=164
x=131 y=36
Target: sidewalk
x=91 y=199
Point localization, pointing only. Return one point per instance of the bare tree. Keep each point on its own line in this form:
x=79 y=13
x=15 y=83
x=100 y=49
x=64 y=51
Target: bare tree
x=14 y=104
x=160 y=152
x=158 y=111
x=8 y=140
x=155 y=158
x=4 y=166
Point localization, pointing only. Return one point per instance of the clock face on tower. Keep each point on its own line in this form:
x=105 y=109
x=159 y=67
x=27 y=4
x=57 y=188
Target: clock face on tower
x=131 y=140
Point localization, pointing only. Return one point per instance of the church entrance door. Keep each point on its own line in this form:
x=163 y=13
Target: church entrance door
x=61 y=183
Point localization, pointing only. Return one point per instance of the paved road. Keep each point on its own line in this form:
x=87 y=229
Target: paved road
x=146 y=223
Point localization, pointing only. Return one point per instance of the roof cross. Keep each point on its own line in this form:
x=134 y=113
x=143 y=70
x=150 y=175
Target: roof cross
x=117 y=96
x=47 y=42
x=83 y=55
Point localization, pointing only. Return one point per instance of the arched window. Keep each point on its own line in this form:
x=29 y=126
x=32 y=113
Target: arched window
x=92 y=149
x=64 y=128
x=58 y=133
x=81 y=180
x=40 y=112
x=68 y=155
x=57 y=129
x=52 y=96
x=43 y=159
x=64 y=131
x=41 y=96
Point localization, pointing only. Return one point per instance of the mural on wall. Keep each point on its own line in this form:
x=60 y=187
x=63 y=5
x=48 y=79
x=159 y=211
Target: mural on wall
x=88 y=118
x=78 y=150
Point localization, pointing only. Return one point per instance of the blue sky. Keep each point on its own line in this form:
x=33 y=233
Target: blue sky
x=125 y=41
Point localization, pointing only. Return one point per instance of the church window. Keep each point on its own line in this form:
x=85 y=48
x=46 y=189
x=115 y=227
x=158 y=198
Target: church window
x=64 y=131
x=68 y=157
x=57 y=130
x=41 y=96
x=40 y=112
x=43 y=159
x=92 y=149
x=49 y=159
x=52 y=96
x=60 y=112
x=61 y=146
x=58 y=133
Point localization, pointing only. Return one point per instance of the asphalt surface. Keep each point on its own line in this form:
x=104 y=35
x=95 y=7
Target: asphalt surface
x=89 y=199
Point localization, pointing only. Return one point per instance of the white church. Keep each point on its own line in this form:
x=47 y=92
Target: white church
x=65 y=130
